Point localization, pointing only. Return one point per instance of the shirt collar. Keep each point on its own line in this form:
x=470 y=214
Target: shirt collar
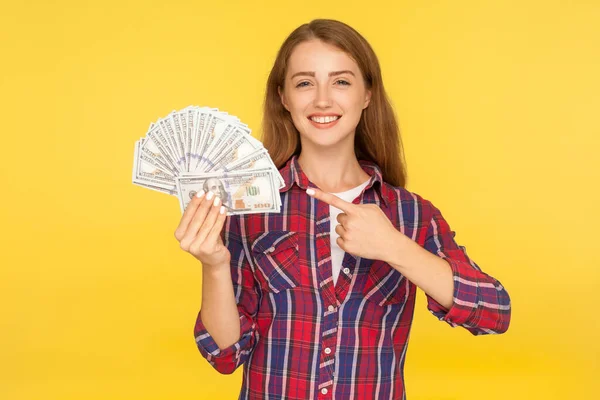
x=292 y=174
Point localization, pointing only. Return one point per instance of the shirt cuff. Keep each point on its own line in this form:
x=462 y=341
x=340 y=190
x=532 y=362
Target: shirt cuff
x=211 y=351
x=464 y=298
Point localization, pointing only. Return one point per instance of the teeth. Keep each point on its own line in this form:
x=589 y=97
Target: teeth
x=324 y=120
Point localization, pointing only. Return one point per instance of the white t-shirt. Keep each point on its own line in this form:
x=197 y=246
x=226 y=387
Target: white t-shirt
x=337 y=254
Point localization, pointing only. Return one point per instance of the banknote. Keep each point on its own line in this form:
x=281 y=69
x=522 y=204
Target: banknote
x=216 y=130
x=241 y=192
x=156 y=136
x=221 y=143
x=178 y=127
x=236 y=147
x=150 y=150
x=196 y=143
x=147 y=173
x=256 y=160
x=168 y=131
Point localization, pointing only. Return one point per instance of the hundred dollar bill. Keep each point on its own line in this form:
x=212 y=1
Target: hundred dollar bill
x=149 y=149
x=168 y=131
x=258 y=159
x=148 y=174
x=178 y=123
x=152 y=158
x=156 y=188
x=156 y=136
x=244 y=192
x=216 y=127
x=201 y=118
x=206 y=123
x=190 y=117
x=223 y=142
x=238 y=146
x=219 y=132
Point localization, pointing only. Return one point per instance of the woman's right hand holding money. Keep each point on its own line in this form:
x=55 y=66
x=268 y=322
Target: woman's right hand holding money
x=199 y=231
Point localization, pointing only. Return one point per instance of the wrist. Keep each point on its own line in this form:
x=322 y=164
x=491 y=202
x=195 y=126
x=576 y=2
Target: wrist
x=397 y=248
x=216 y=270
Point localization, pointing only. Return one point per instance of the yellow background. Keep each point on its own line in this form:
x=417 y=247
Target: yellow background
x=498 y=102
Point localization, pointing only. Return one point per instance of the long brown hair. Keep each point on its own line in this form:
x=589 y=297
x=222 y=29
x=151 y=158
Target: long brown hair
x=377 y=134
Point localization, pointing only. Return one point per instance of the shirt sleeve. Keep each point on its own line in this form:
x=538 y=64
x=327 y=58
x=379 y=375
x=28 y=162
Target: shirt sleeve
x=247 y=297
x=480 y=303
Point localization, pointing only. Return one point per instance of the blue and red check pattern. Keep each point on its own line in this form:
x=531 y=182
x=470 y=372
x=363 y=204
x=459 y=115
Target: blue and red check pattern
x=304 y=338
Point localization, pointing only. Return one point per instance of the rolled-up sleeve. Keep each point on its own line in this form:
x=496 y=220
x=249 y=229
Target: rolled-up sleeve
x=247 y=297
x=481 y=304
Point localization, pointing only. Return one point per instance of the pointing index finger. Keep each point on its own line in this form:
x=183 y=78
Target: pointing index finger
x=331 y=199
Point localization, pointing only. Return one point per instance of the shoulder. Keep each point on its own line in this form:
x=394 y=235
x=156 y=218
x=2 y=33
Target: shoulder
x=390 y=194
x=409 y=203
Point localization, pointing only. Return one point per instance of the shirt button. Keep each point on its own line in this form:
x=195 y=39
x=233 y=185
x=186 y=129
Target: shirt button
x=324 y=390
x=346 y=271
x=331 y=308
x=327 y=350
x=271 y=249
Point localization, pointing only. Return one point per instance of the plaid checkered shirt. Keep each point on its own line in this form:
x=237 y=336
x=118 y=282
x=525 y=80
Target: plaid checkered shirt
x=302 y=337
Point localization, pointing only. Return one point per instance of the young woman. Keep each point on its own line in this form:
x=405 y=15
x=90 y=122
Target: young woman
x=317 y=301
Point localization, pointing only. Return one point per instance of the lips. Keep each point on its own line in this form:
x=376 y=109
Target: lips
x=324 y=118
x=324 y=121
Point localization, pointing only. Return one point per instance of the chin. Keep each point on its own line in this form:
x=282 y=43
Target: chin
x=334 y=136
x=324 y=140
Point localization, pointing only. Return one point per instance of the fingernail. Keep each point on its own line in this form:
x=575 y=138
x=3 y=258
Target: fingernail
x=222 y=210
x=200 y=194
x=209 y=195
x=217 y=201
x=310 y=192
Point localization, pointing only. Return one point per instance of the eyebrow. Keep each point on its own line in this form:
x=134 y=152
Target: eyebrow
x=333 y=73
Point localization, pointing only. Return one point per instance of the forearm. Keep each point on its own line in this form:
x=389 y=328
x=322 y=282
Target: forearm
x=426 y=270
x=219 y=311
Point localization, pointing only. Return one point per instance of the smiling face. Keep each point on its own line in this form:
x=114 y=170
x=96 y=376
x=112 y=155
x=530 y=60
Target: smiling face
x=325 y=94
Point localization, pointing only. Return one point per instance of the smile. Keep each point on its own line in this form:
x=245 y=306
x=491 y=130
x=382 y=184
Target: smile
x=324 y=120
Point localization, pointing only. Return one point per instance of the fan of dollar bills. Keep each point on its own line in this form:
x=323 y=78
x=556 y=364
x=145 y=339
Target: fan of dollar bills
x=201 y=148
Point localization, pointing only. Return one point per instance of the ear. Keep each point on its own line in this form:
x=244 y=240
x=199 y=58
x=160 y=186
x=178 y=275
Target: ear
x=367 y=99
x=282 y=97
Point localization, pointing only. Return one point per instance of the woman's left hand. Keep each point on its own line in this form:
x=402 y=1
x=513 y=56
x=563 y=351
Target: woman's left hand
x=365 y=231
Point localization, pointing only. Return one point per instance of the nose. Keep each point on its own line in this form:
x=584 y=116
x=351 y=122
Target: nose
x=322 y=99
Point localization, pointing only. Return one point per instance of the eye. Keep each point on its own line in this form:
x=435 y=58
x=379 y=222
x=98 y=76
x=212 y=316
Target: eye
x=302 y=84
x=343 y=82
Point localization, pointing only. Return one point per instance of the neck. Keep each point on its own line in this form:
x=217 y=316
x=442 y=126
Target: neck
x=332 y=170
